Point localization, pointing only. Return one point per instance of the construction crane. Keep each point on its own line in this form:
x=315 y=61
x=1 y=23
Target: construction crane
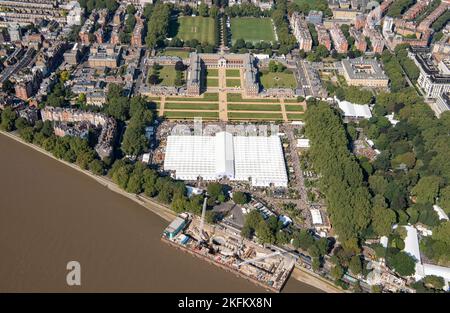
x=260 y=258
x=201 y=231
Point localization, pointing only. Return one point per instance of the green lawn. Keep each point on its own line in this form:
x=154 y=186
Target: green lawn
x=166 y=75
x=190 y=27
x=212 y=82
x=318 y=5
x=254 y=116
x=233 y=83
x=191 y=106
x=176 y=53
x=212 y=72
x=190 y=115
x=237 y=97
x=295 y=116
x=152 y=98
x=206 y=97
x=294 y=108
x=277 y=80
x=254 y=107
x=291 y=101
x=252 y=29
x=233 y=73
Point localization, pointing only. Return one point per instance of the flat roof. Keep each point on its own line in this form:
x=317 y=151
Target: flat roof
x=244 y=158
x=316 y=216
x=361 y=68
x=355 y=110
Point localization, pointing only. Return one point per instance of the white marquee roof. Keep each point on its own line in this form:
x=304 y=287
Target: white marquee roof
x=255 y=158
x=355 y=110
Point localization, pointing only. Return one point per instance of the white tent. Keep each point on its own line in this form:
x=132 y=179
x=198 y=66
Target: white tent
x=257 y=159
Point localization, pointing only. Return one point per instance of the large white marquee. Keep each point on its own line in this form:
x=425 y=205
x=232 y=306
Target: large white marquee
x=257 y=159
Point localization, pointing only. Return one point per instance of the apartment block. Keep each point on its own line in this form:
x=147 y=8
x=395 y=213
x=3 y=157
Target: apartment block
x=301 y=32
x=339 y=41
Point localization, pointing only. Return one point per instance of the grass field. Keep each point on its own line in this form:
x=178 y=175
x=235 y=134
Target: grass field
x=193 y=27
x=233 y=73
x=317 y=5
x=277 y=80
x=153 y=98
x=212 y=72
x=166 y=75
x=252 y=29
x=291 y=101
x=212 y=82
x=236 y=97
x=176 y=53
x=254 y=116
x=295 y=116
x=294 y=108
x=184 y=115
x=233 y=83
x=254 y=107
x=191 y=106
x=212 y=97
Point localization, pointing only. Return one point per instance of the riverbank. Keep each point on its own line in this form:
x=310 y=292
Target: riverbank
x=161 y=210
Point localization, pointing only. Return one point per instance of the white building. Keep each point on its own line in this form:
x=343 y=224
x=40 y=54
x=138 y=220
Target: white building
x=256 y=159
x=423 y=269
x=354 y=111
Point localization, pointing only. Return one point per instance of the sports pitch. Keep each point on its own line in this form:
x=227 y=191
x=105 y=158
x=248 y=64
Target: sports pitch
x=252 y=29
x=193 y=27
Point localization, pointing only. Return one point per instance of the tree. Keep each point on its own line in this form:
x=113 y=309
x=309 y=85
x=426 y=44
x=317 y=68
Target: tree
x=434 y=282
x=203 y=10
x=8 y=86
x=315 y=264
x=382 y=220
x=264 y=233
x=122 y=174
x=247 y=231
x=303 y=239
x=211 y=217
x=355 y=265
x=402 y=263
x=131 y=9
x=153 y=79
x=137 y=105
x=134 y=140
x=347 y=197
x=8 y=117
x=27 y=133
x=215 y=191
x=337 y=272
x=179 y=66
x=240 y=197
x=96 y=167
x=21 y=123
x=64 y=76
x=444 y=199
x=179 y=204
x=427 y=189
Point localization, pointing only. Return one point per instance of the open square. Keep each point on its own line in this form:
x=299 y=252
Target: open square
x=277 y=80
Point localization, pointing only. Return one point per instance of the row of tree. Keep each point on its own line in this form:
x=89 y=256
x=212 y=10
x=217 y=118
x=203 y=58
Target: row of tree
x=158 y=24
x=246 y=9
x=69 y=148
x=394 y=71
x=90 y=5
x=279 y=17
x=347 y=197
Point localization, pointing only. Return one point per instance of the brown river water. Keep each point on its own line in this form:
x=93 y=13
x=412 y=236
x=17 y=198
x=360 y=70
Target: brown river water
x=51 y=214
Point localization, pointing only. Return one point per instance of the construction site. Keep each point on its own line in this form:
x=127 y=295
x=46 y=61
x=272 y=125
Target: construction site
x=225 y=248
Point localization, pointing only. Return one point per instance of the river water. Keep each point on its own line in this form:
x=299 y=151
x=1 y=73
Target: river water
x=51 y=214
